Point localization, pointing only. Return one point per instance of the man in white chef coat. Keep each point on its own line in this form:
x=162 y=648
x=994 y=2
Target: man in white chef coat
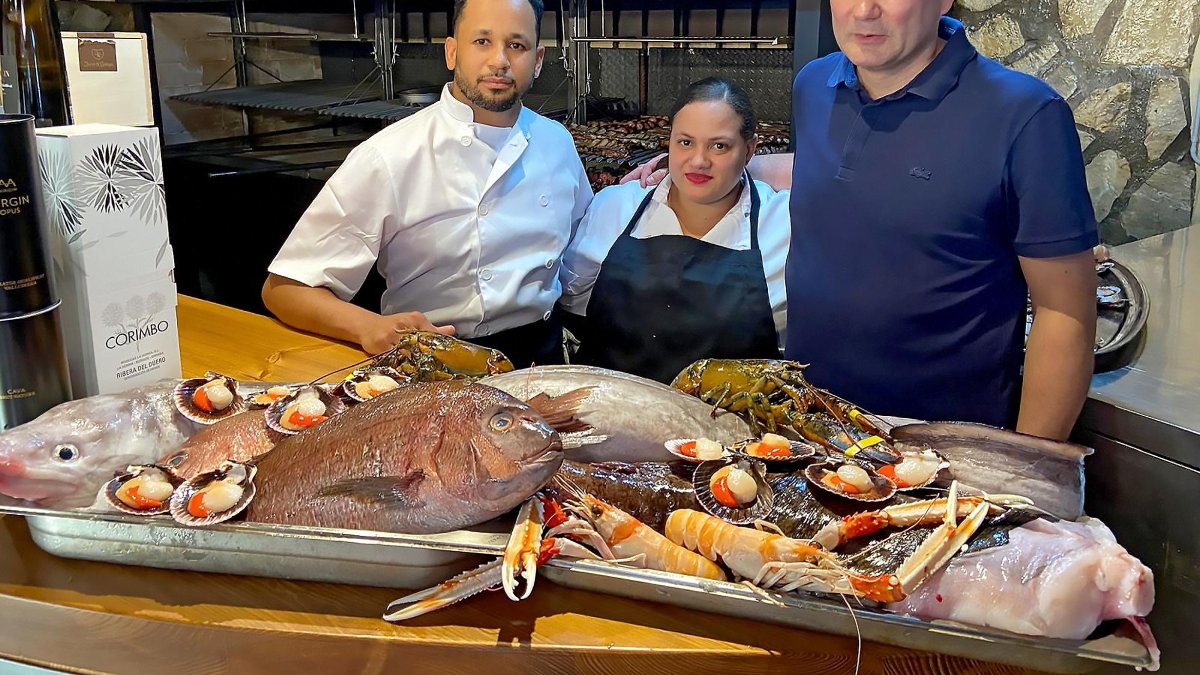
x=466 y=206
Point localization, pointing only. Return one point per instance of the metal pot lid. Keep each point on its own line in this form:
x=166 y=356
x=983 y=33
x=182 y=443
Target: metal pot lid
x=1122 y=307
x=419 y=95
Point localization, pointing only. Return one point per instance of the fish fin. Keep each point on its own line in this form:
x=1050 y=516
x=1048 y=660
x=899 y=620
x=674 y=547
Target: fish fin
x=392 y=491
x=559 y=411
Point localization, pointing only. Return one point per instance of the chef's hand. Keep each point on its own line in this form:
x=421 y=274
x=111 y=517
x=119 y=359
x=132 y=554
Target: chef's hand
x=646 y=174
x=383 y=334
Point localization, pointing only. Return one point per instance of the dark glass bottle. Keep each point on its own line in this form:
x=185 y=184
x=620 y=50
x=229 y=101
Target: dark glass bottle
x=30 y=38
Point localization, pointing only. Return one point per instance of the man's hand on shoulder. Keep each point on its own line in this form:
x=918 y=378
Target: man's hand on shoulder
x=647 y=174
x=381 y=333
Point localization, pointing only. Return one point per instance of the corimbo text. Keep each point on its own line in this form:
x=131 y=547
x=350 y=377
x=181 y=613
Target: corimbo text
x=122 y=339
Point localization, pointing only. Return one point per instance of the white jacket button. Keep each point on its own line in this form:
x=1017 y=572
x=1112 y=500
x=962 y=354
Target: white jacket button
x=466 y=140
x=486 y=275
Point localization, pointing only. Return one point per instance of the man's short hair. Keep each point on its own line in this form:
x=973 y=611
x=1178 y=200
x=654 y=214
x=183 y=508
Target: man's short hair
x=538 y=6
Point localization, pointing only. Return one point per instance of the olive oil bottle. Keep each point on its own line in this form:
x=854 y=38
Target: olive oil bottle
x=31 y=44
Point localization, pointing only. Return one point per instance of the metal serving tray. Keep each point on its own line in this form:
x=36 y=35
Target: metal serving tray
x=829 y=615
x=258 y=549
x=418 y=561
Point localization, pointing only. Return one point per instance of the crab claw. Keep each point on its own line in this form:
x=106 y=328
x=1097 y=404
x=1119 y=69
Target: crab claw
x=941 y=544
x=461 y=587
x=521 y=553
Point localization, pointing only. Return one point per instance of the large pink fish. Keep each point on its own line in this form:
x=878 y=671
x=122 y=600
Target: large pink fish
x=62 y=458
x=424 y=458
x=1056 y=580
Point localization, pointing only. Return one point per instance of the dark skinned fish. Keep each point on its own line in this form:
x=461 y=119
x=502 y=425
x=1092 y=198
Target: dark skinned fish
x=422 y=459
x=650 y=491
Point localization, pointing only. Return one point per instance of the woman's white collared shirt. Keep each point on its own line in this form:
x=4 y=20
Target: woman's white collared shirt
x=469 y=235
x=614 y=206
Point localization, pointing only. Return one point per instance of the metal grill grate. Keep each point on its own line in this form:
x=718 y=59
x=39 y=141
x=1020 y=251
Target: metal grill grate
x=301 y=96
x=389 y=111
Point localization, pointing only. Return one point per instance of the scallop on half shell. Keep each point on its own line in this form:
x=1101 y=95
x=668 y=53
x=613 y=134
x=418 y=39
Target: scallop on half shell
x=915 y=470
x=209 y=399
x=143 y=490
x=280 y=413
x=825 y=476
x=214 y=496
x=707 y=473
x=797 y=451
x=357 y=385
x=686 y=449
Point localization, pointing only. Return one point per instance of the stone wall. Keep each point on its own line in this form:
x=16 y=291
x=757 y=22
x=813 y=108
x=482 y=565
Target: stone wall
x=1122 y=65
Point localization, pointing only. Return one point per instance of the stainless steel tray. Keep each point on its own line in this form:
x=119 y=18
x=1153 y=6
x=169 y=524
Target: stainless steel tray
x=258 y=549
x=419 y=561
x=832 y=616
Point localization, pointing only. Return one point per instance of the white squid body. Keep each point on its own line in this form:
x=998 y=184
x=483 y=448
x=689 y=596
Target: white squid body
x=1056 y=580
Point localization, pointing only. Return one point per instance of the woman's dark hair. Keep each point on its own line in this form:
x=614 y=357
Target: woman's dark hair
x=720 y=89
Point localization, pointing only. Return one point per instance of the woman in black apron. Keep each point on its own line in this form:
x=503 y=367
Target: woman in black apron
x=662 y=302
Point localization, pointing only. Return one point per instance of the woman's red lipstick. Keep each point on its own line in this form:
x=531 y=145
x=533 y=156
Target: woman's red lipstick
x=698 y=178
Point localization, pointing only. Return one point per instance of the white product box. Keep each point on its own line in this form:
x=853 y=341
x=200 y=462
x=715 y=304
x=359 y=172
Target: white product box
x=123 y=337
x=108 y=77
x=104 y=187
x=113 y=261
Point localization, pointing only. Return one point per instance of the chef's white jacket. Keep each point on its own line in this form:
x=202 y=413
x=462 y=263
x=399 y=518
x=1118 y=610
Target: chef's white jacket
x=469 y=235
x=615 y=205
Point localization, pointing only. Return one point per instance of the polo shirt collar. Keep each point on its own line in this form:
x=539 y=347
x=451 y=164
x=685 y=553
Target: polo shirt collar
x=463 y=113
x=937 y=79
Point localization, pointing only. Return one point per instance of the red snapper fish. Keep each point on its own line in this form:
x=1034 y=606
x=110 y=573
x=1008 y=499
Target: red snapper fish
x=422 y=459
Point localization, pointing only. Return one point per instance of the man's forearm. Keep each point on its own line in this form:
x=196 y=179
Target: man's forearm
x=774 y=170
x=316 y=310
x=1059 y=361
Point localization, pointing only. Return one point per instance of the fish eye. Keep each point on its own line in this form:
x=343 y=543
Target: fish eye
x=66 y=452
x=501 y=421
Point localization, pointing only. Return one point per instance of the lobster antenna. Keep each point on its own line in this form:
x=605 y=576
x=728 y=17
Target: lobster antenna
x=356 y=363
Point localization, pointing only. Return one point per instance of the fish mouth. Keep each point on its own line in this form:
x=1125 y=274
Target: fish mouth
x=549 y=453
x=33 y=489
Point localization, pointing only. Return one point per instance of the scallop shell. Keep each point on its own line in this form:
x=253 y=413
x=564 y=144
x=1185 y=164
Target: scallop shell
x=185 y=390
x=364 y=374
x=674 y=446
x=942 y=465
x=111 y=487
x=255 y=403
x=758 y=510
x=333 y=406
x=183 y=494
x=802 y=451
x=884 y=488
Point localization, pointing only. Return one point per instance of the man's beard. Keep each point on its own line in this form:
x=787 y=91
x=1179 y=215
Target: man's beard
x=474 y=94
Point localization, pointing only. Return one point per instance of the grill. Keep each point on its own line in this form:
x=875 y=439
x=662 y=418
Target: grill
x=300 y=96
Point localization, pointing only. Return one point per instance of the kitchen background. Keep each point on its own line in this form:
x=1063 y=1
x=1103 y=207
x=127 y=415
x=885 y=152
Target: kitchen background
x=1125 y=66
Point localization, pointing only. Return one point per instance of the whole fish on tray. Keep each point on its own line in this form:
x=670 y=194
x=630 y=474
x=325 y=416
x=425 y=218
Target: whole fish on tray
x=997 y=460
x=636 y=414
x=243 y=437
x=424 y=458
x=62 y=458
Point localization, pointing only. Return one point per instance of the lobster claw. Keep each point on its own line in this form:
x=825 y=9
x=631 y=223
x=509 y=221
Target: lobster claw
x=941 y=544
x=523 y=549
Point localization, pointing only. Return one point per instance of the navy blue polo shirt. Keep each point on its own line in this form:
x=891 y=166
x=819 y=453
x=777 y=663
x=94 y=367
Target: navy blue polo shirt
x=908 y=214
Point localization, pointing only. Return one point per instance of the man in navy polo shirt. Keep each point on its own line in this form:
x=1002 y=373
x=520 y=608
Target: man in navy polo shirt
x=931 y=186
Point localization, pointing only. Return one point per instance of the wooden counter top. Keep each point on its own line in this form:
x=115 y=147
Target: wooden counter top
x=100 y=617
